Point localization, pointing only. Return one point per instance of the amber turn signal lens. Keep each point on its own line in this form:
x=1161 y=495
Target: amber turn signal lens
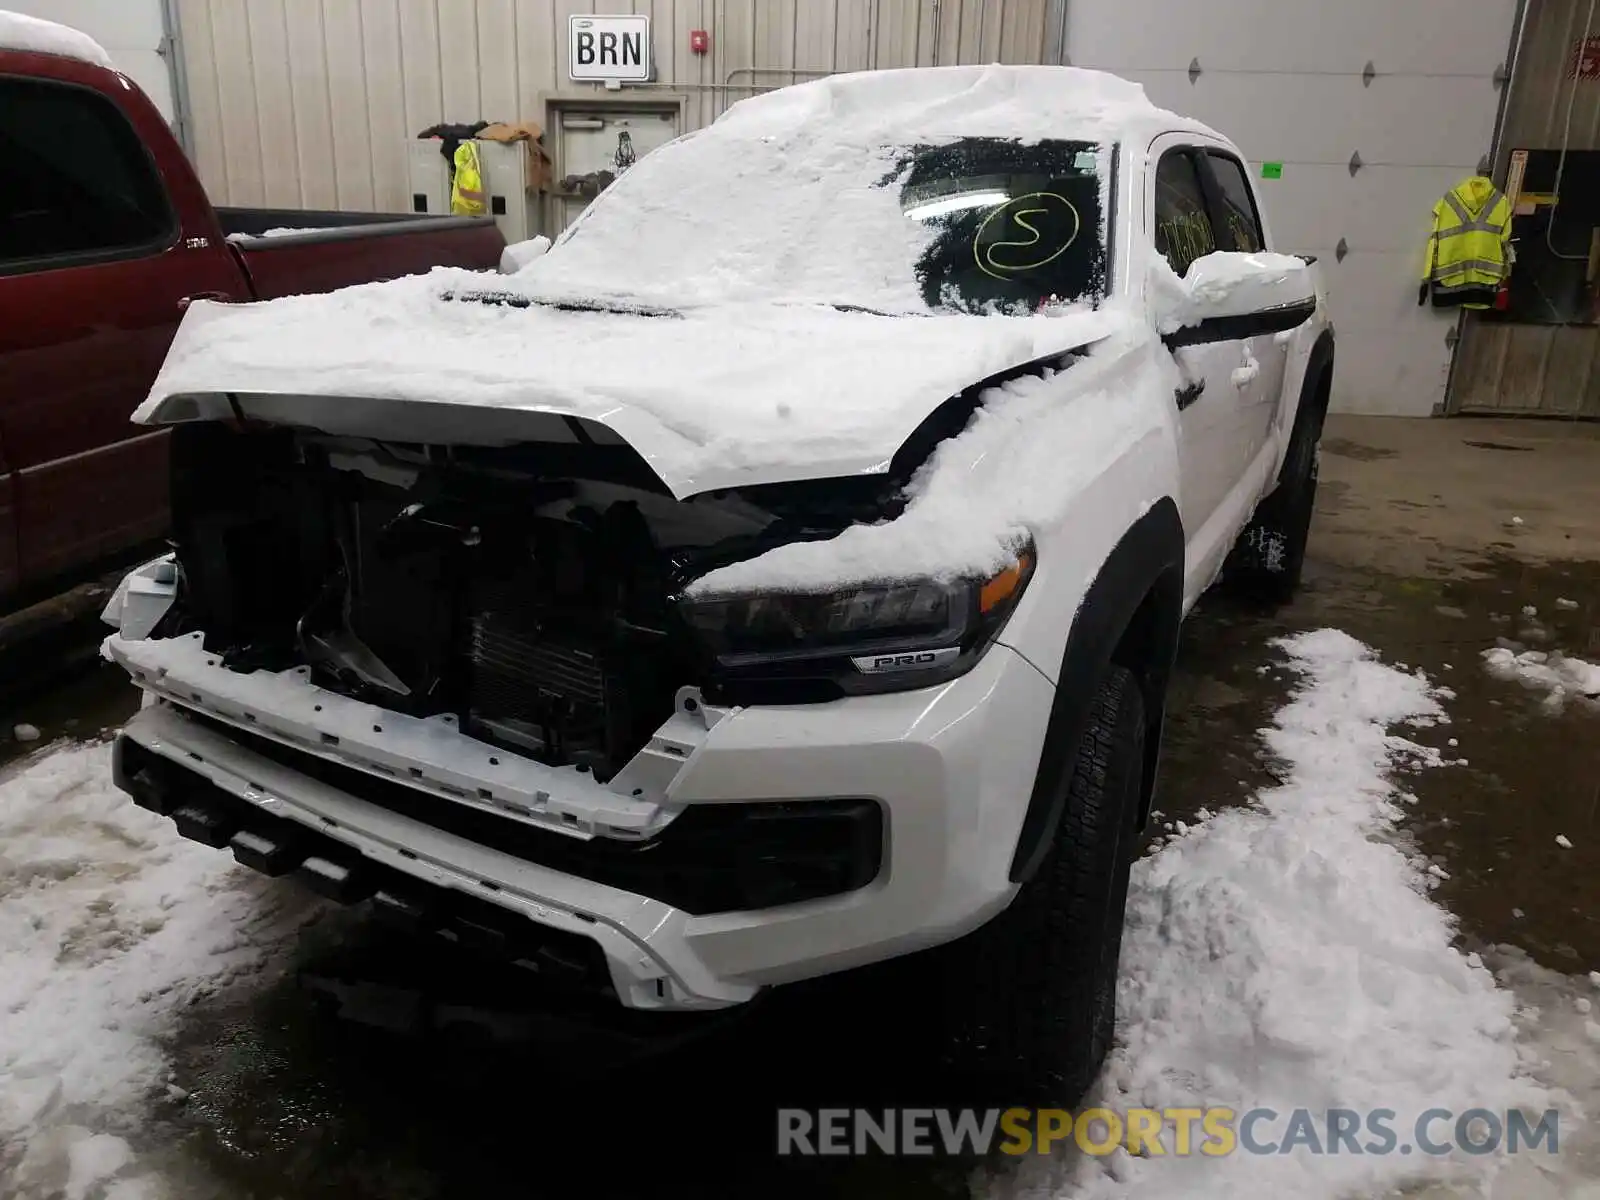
x=1003 y=586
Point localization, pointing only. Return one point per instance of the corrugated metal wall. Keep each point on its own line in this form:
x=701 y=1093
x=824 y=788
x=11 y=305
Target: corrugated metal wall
x=1549 y=370
x=307 y=103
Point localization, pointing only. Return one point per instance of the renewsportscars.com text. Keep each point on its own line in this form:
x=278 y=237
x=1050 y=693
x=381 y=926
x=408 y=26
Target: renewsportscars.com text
x=1155 y=1132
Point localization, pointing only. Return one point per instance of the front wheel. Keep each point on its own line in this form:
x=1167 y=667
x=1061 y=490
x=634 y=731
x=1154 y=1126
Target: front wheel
x=1029 y=999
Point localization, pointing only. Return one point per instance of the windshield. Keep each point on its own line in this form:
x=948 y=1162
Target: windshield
x=1017 y=225
x=974 y=224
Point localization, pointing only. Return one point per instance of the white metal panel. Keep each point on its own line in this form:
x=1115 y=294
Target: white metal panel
x=269 y=50
x=1401 y=120
x=206 y=124
x=315 y=169
x=1382 y=208
x=130 y=30
x=385 y=82
x=237 y=97
x=1291 y=37
x=1284 y=79
x=350 y=105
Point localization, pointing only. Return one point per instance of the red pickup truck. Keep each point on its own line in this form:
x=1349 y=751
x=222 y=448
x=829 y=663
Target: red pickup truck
x=106 y=236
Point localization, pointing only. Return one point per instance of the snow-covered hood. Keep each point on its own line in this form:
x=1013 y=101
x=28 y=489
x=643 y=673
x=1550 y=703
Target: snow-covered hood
x=714 y=397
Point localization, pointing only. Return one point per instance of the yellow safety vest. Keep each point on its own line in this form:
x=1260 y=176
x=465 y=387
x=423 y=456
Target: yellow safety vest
x=1469 y=249
x=466 y=186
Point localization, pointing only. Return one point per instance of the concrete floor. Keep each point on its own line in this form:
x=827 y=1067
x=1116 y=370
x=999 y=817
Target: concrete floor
x=1433 y=497
x=1413 y=551
x=1431 y=539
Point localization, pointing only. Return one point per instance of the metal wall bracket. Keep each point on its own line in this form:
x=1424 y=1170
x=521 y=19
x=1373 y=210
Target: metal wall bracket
x=1501 y=76
x=1341 y=251
x=1484 y=165
x=1355 y=163
x=1451 y=338
x=1368 y=75
x=1194 y=70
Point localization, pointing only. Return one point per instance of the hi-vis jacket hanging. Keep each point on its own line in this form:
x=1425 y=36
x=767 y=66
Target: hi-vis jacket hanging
x=466 y=183
x=1469 y=251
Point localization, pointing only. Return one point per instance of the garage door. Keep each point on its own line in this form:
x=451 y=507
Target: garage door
x=130 y=30
x=1364 y=153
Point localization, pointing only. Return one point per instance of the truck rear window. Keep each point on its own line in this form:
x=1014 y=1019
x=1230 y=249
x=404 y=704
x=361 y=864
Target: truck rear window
x=74 y=178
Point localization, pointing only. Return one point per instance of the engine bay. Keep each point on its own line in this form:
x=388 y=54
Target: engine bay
x=530 y=591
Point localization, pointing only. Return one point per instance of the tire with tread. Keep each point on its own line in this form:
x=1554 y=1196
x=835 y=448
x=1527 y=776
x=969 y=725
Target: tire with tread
x=1029 y=999
x=1269 y=558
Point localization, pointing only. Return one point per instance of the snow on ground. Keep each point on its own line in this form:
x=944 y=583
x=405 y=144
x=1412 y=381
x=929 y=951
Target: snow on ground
x=1559 y=676
x=19 y=32
x=110 y=925
x=1287 y=955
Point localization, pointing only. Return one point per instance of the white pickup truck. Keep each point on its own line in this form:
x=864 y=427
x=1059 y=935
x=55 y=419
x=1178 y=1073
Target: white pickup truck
x=779 y=575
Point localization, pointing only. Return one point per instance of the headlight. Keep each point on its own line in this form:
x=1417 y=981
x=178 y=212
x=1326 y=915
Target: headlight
x=873 y=637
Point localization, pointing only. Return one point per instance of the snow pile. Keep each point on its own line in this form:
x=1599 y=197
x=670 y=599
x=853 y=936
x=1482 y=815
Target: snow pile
x=110 y=925
x=1034 y=449
x=1551 y=672
x=1555 y=1021
x=19 y=32
x=1287 y=956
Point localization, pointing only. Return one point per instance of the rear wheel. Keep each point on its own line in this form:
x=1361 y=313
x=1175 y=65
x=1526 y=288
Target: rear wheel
x=1029 y=999
x=1269 y=557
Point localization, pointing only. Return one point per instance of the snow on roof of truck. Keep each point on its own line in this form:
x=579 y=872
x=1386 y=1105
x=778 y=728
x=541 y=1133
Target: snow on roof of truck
x=787 y=194
x=1026 y=102
x=19 y=32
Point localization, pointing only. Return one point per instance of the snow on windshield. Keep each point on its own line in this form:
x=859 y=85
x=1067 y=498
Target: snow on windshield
x=805 y=218
x=971 y=225
x=797 y=195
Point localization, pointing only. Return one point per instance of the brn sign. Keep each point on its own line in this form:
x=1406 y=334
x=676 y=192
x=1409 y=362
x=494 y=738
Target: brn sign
x=607 y=49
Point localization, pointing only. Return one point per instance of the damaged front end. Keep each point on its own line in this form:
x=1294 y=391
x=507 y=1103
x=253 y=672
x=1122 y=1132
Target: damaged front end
x=526 y=593
x=496 y=642
x=535 y=594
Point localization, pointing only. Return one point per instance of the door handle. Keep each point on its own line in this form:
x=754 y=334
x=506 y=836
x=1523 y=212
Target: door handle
x=185 y=301
x=1189 y=393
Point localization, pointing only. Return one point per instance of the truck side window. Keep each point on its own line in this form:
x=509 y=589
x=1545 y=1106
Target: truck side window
x=1239 y=225
x=1183 y=231
x=75 y=180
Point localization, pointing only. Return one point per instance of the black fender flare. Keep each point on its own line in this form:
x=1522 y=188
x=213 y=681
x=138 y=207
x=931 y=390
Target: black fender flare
x=1130 y=615
x=1318 y=366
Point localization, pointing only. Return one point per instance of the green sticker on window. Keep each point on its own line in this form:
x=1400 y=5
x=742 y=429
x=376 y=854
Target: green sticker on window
x=1272 y=170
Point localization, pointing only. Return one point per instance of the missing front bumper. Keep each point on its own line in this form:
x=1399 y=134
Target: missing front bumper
x=586 y=937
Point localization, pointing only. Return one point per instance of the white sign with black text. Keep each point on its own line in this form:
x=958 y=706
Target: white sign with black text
x=606 y=49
